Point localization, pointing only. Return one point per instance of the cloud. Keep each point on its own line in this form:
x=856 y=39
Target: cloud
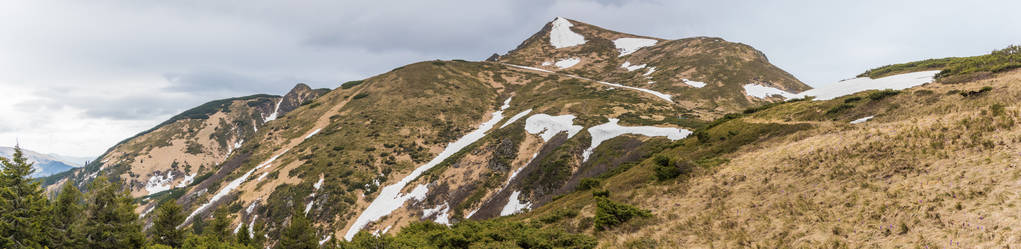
x=81 y=76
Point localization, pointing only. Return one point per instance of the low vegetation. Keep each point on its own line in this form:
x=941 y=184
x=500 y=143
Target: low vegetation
x=956 y=68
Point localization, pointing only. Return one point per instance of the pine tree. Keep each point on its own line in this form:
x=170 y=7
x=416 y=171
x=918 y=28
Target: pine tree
x=23 y=216
x=111 y=221
x=164 y=225
x=66 y=220
x=243 y=236
x=299 y=234
x=220 y=228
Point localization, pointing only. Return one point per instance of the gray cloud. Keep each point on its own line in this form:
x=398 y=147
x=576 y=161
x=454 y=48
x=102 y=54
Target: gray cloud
x=131 y=63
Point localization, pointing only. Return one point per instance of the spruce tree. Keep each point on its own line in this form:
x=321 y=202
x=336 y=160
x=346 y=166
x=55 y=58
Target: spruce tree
x=66 y=220
x=111 y=221
x=164 y=225
x=23 y=216
x=243 y=235
x=220 y=228
x=299 y=234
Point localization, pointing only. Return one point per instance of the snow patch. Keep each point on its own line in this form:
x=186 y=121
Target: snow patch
x=327 y=239
x=188 y=179
x=230 y=187
x=251 y=207
x=514 y=205
x=516 y=117
x=696 y=84
x=313 y=133
x=276 y=111
x=611 y=129
x=390 y=197
x=566 y=63
x=159 y=183
x=651 y=70
x=895 y=82
x=861 y=120
x=548 y=126
x=655 y=93
x=629 y=45
x=760 y=91
x=561 y=36
x=529 y=68
x=263 y=176
x=627 y=65
x=440 y=211
x=547 y=63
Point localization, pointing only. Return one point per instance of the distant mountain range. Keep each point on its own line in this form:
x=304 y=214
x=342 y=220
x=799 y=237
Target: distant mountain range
x=46 y=164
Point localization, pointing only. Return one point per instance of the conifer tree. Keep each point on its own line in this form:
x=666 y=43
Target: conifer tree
x=111 y=221
x=299 y=234
x=66 y=219
x=220 y=228
x=164 y=225
x=243 y=235
x=23 y=216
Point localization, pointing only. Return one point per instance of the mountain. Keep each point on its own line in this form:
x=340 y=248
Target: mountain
x=575 y=120
x=46 y=164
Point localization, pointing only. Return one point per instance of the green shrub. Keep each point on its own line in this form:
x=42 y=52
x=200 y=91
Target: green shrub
x=360 y=95
x=882 y=94
x=350 y=84
x=610 y=214
x=588 y=183
x=997 y=61
x=852 y=99
x=984 y=89
x=601 y=193
x=997 y=109
x=839 y=108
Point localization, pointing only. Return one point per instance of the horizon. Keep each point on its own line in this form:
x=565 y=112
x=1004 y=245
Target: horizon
x=78 y=84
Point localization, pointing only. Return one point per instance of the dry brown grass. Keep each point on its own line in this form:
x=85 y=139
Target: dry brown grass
x=923 y=174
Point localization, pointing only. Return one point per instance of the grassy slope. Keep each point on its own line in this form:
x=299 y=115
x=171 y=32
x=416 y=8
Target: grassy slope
x=932 y=167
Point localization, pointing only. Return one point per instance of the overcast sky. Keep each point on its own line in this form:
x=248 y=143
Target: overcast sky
x=76 y=77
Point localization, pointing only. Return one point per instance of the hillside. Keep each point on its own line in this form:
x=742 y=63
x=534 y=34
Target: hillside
x=930 y=166
x=452 y=141
x=188 y=146
x=703 y=74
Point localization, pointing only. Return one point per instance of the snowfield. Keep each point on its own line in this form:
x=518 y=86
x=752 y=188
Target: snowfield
x=566 y=63
x=609 y=130
x=696 y=84
x=894 y=82
x=230 y=187
x=629 y=45
x=654 y=93
x=514 y=205
x=313 y=133
x=845 y=87
x=760 y=91
x=516 y=117
x=159 y=183
x=187 y=180
x=561 y=36
x=390 y=197
x=548 y=126
x=630 y=68
x=276 y=111
x=441 y=214
x=861 y=120
x=651 y=70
